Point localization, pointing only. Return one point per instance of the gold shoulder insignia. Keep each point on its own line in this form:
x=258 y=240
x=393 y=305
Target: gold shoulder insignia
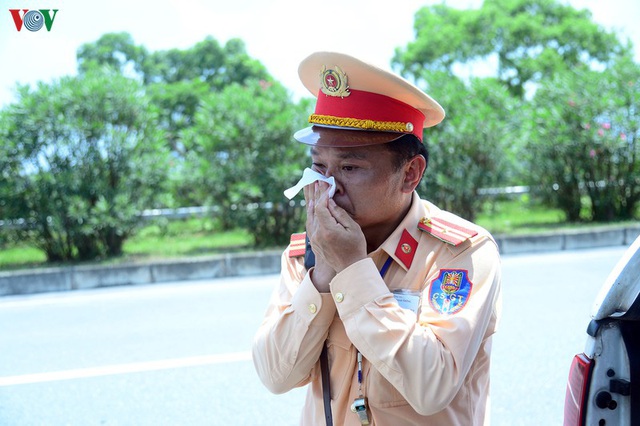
x=446 y=231
x=297 y=245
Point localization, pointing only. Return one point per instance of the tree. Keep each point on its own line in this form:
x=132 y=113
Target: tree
x=583 y=141
x=530 y=40
x=532 y=43
x=242 y=157
x=84 y=156
x=207 y=61
x=471 y=148
x=114 y=50
x=176 y=80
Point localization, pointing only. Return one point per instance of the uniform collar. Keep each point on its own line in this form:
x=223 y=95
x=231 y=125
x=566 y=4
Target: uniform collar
x=402 y=244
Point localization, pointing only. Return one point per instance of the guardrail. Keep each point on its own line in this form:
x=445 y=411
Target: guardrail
x=199 y=211
x=177 y=213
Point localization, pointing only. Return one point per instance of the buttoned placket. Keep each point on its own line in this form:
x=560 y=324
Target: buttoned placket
x=359 y=406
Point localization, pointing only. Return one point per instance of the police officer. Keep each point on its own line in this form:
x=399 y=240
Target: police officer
x=393 y=323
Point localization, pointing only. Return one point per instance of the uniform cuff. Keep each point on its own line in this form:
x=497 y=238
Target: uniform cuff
x=311 y=305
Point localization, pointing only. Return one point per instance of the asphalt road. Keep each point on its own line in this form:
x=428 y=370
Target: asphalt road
x=178 y=353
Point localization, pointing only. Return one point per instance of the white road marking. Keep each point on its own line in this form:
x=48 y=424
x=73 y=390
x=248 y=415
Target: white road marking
x=136 y=367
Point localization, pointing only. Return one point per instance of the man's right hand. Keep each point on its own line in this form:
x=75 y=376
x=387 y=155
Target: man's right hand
x=336 y=239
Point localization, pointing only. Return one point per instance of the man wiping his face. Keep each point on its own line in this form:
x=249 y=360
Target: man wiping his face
x=392 y=324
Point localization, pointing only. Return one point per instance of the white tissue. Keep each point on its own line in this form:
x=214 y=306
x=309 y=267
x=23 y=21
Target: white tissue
x=309 y=176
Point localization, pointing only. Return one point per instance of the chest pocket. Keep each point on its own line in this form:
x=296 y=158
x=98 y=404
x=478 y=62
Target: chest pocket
x=378 y=390
x=343 y=376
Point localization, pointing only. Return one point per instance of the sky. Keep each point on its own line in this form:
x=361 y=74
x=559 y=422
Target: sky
x=279 y=33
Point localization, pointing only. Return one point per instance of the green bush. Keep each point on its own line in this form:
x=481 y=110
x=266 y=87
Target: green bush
x=583 y=142
x=83 y=157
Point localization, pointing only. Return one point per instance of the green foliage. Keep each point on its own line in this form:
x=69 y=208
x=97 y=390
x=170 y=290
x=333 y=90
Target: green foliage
x=241 y=155
x=83 y=156
x=201 y=236
x=116 y=51
x=537 y=38
x=583 y=139
x=538 y=45
x=21 y=256
x=177 y=104
x=207 y=125
x=207 y=61
x=176 y=79
x=518 y=215
x=470 y=149
x=236 y=155
x=175 y=238
x=531 y=40
x=444 y=37
x=185 y=237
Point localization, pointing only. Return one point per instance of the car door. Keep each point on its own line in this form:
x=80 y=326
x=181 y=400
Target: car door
x=603 y=387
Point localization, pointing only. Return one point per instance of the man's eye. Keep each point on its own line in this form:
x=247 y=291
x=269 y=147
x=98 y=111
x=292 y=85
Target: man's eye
x=349 y=168
x=318 y=167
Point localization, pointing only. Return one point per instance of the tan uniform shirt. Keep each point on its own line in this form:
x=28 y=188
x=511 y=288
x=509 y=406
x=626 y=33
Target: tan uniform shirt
x=429 y=368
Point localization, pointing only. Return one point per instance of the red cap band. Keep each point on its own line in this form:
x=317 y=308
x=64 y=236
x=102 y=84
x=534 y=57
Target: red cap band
x=372 y=110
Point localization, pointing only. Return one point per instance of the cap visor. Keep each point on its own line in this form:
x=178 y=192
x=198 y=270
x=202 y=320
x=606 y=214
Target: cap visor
x=343 y=138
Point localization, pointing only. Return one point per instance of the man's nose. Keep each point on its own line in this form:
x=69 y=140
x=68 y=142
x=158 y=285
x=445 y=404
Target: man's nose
x=334 y=172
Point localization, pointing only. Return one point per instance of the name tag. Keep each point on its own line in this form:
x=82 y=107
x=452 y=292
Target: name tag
x=407 y=299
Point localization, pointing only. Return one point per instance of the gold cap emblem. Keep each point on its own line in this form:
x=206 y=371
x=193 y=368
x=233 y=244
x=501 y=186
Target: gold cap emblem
x=334 y=82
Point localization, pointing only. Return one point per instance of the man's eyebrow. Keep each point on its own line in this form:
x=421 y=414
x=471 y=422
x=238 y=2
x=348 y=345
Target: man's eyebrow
x=345 y=155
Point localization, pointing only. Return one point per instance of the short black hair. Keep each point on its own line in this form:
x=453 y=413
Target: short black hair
x=405 y=148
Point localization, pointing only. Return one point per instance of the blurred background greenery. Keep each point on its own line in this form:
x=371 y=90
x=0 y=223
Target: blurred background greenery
x=550 y=141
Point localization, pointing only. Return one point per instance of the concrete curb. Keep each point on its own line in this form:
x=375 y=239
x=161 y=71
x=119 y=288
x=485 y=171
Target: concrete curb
x=568 y=240
x=96 y=276
x=267 y=262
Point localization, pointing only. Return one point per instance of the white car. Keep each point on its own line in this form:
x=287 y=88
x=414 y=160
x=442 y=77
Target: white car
x=604 y=382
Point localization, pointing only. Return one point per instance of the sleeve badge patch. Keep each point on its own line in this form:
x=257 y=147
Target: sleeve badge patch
x=297 y=245
x=449 y=292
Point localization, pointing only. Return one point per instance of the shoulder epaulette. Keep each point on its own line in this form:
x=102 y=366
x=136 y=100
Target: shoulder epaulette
x=297 y=245
x=446 y=231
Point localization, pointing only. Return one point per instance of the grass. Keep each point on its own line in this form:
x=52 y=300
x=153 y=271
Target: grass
x=520 y=217
x=162 y=239
x=190 y=237
x=21 y=256
x=199 y=236
x=512 y=217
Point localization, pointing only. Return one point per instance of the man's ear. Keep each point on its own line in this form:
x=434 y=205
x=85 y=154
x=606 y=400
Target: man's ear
x=413 y=171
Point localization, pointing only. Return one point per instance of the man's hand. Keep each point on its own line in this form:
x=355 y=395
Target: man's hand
x=336 y=239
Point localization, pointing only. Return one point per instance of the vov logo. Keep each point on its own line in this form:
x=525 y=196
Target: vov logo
x=33 y=20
